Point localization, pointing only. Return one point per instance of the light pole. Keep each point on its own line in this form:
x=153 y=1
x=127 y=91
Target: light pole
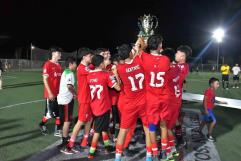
x=31 y=55
x=218 y=35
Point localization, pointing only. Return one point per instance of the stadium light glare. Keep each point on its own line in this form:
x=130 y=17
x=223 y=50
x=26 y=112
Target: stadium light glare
x=32 y=47
x=218 y=35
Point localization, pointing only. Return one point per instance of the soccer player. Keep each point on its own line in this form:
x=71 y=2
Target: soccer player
x=83 y=96
x=175 y=100
x=236 y=71
x=52 y=71
x=225 y=71
x=155 y=68
x=183 y=52
x=208 y=105
x=131 y=75
x=66 y=101
x=99 y=81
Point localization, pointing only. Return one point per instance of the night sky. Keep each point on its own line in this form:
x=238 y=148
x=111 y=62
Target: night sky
x=107 y=24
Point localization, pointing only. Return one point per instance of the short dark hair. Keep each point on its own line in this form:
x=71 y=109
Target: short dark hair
x=212 y=80
x=97 y=60
x=170 y=53
x=124 y=51
x=154 y=41
x=55 y=49
x=83 y=52
x=115 y=57
x=99 y=50
x=186 y=49
x=69 y=60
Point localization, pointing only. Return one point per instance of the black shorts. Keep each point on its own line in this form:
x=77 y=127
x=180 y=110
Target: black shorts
x=66 y=112
x=51 y=108
x=236 y=77
x=101 y=123
x=225 y=77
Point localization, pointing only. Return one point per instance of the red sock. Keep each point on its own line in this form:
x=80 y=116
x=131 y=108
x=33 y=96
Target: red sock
x=128 y=137
x=71 y=143
x=57 y=121
x=105 y=139
x=154 y=148
x=165 y=146
x=171 y=140
x=44 y=120
x=118 y=149
x=93 y=147
x=148 y=150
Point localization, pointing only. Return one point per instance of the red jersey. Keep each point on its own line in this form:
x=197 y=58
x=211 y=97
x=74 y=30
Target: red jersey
x=132 y=78
x=98 y=82
x=155 y=69
x=184 y=71
x=53 y=72
x=173 y=79
x=83 y=90
x=210 y=95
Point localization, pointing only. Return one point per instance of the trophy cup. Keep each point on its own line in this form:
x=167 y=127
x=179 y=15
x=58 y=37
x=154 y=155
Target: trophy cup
x=147 y=24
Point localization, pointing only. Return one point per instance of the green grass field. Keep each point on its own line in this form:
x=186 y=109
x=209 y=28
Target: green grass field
x=20 y=136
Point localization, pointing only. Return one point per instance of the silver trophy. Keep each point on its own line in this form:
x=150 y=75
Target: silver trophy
x=147 y=24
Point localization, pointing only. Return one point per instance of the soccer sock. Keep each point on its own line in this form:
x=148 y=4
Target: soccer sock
x=58 y=123
x=164 y=145
x=106 y=139
x=93 y=148
x=119 y=151
x=148 y=151
x=84 y=141
x=44 y=121
x=117 y=129
x=64 y=140
x=178 y=131
x=171 y=140
x=154 y=149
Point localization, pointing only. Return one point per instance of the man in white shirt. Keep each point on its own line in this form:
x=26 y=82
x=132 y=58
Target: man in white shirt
x=65 y=100
x=236 y=71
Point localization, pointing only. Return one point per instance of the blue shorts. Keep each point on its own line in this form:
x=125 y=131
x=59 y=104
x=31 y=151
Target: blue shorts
x=210 y=117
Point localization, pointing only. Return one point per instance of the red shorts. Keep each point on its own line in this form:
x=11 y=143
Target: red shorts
x=130 y=114
x=114 y=95
x=157 y=109
x=85 y=113
x=131 y=110
x=174 y=111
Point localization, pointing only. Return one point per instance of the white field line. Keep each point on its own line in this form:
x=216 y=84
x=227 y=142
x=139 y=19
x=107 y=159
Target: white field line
x=19 y=104
x=9 y=77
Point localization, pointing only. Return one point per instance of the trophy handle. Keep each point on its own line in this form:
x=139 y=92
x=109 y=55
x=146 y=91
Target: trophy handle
x=156 y=21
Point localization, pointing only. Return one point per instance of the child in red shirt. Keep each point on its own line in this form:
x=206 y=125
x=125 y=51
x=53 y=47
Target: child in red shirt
x=208 y=104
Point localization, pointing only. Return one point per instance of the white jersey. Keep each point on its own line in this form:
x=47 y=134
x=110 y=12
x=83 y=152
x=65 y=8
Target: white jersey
x=236 y=70
x=65 y=96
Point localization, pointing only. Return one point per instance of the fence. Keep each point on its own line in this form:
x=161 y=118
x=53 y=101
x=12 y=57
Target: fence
x=21 y=64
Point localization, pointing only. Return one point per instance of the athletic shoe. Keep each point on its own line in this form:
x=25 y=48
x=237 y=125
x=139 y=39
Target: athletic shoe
x=227 y=89
x=148 y=158
x=174 y=152
x=66 y=150
x=43 y=129
x=75 y=149
x=58 y=133
x=237 y=87
x=91 y=156
x=210 y=138
x=233 y=86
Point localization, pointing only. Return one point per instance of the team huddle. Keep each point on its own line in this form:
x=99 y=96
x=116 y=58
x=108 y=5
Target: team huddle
x=142 y=81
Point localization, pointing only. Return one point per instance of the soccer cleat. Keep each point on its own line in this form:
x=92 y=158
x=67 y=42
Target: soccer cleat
x=66 y=150
x=174 y=152
x=58 y=133
x=75 y=149
x=43 y=129
x=210 y=138
x=233 y=86
x=148 y=158
x=237 y=87
x=91 y=156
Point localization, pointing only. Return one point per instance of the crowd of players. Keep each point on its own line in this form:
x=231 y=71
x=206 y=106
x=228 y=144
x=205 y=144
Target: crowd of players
x=142 y=81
